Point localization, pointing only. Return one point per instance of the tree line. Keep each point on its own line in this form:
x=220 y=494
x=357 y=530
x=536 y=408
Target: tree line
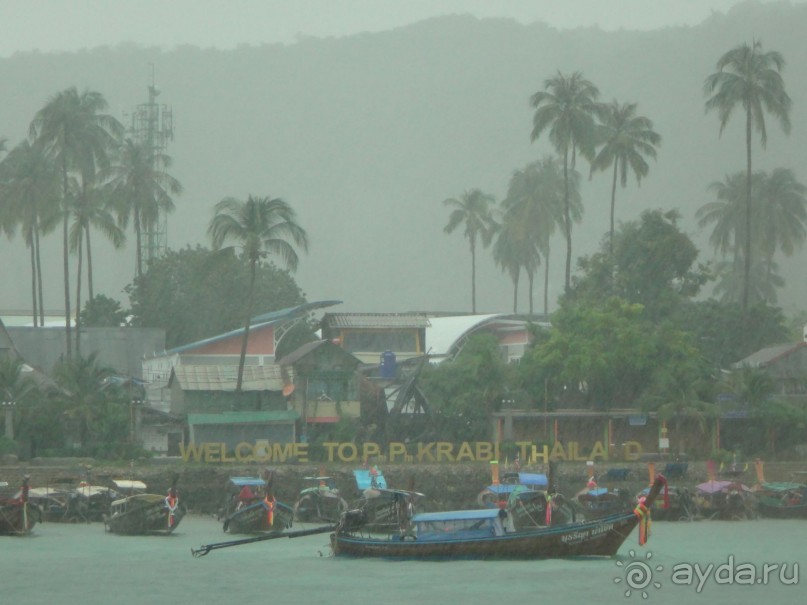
x=755 y=216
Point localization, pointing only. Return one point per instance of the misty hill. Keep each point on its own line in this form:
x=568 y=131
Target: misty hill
x=366 y=135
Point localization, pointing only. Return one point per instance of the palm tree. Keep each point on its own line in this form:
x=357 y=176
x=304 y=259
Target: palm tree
x=762 y=285
x=782 y=213
x=83 y=393
x=142 y=188
x=513 y=250
x=533 y=208
x=31 y=191
x=261 y=226
x=474 y=210
x=72 y=128
x=749 y=78
x=727 y=213
x=567 y=108
x=90 y=209
x=627 y=140
x=779 y=212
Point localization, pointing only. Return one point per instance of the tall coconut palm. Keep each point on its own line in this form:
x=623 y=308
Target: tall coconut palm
x=474 y=210
x=513 y=251
x=90 y=210
x=142 y=189
x=627 y=140
x=779 y=215
x=30 y=188
x=763 y=285
x=782 y=213
x=260 y=226
x=749 y=78
x=567 y=108
x=727 y=213
x=72 y=127
x=533 y=208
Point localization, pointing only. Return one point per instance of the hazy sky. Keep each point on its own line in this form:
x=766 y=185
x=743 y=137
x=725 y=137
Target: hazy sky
x=68 y=25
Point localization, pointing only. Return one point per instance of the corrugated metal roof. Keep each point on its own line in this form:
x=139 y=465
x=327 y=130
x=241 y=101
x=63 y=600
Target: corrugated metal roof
x=300 y=352
x=225 y=377
x=309 y=347
x=243 y=417
x=768 y=355
x=375 y=320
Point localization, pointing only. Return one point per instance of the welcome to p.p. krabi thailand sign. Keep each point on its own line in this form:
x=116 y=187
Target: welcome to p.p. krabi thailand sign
x=435 y=451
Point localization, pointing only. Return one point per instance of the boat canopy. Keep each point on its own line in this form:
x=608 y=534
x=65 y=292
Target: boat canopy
x=783 y=486
x=457 y=515
x=502 y=488
x=534 y=479
x=251 y=481
x=596 y=492
x=364 y=480
x=128 y=484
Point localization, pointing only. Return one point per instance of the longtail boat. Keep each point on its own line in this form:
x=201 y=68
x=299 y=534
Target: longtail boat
x=17 y=515
x=779 y=500
x=384 y=509
x=320 y=502
x=782 y=500
x=496 y=533
x=141 y=513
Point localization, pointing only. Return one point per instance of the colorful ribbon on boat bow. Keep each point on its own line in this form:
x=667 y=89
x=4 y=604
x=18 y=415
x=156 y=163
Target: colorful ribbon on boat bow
x=171 y=502
x=269 y=502
x=643 y=513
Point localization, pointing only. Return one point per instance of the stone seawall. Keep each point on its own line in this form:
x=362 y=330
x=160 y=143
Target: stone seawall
x=204 y=488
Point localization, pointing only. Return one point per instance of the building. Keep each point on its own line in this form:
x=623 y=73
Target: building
x=786 y=365
x=368 y=335
x=322 y=383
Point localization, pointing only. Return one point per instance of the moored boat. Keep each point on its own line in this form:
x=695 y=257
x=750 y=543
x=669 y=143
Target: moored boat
x=320 y=502
x=141 y=513
x=384 y=509
x=254 y=508
x=492 y=533
x=498 y=492
x=725 y=500
x=18 y=516
x=782 y=500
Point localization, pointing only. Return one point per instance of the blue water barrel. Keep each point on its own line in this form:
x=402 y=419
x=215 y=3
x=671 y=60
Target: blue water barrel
x=388 y=364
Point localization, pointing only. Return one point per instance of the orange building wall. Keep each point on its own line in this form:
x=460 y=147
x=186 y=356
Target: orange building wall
x=261 y=342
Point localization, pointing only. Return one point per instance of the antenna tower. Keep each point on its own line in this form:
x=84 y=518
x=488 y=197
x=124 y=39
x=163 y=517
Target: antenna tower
x=153 y=126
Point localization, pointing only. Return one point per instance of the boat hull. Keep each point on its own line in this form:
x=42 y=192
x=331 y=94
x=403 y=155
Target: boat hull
x=18 y=518
x=143 y=514
x=255 y=519
x=782 y=511
x=602 y=537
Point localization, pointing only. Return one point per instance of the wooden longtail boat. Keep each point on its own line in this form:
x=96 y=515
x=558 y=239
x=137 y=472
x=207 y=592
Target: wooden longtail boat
x=320 y=502
x=261 y=516
x=382 y=508
x=142 y=513
x=17 y=515
x=497 y=492
x=682 y=505
x=252 y=507
x=784 y=500
x=82 y=504
x=491 y=533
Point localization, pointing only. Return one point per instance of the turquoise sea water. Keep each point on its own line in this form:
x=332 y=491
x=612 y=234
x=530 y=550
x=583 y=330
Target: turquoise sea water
x=64 y=564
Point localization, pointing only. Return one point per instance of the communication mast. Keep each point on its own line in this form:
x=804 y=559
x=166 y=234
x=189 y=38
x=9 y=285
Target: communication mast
x=153 y=126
